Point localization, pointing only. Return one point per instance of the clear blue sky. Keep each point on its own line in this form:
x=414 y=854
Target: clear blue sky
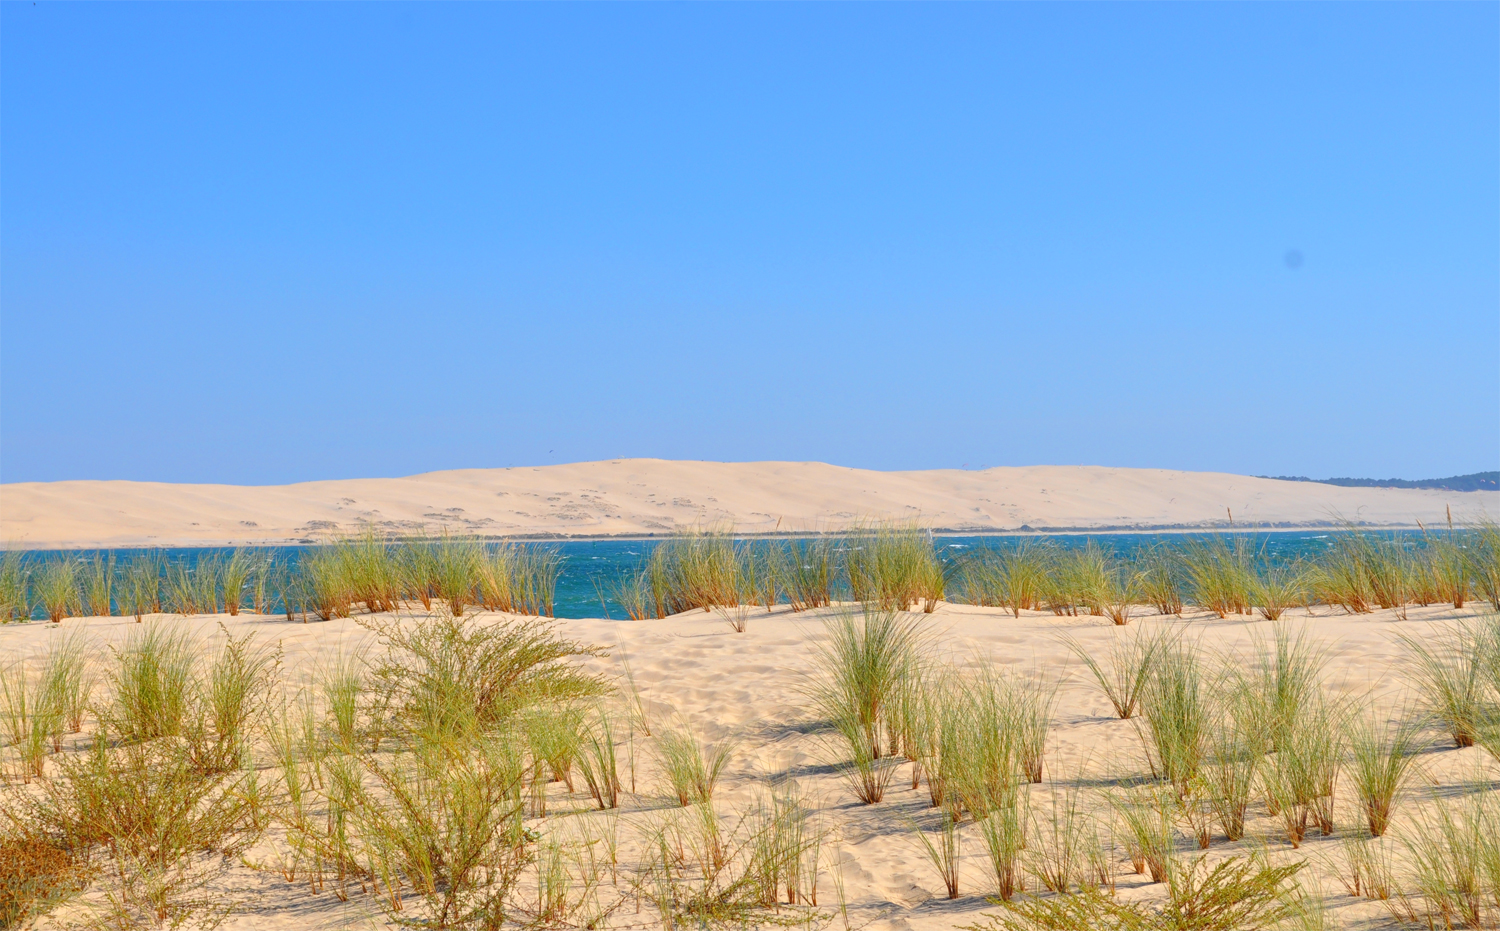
x=271 y=242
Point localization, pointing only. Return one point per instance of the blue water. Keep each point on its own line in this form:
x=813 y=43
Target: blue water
x=590 y=568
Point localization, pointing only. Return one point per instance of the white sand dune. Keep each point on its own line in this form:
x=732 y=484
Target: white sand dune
x=650 y=496
x=748 y=686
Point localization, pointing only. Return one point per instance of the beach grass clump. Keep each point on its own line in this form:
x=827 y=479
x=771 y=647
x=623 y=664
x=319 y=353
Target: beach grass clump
x=322 y=583
x=968 y=755
x=866 y=673
x=15 y=587
x=1231 y=770
x=986 y=736
x=943 y=849
x=1339 y=577
x=554 y=737
x=1278 y=682
x=737 y=617
x=336 y=577
x=229 y=700
x=261 y=584
x=97 y=582
x=235 y=573
x=1487 y=728
x=1450 y=567
x=1176 y=712
x=1126 y=669
x=1367 y=870
x=1275 y=588
x=417 y=564
x=1454 y=668
x=1382 y=759
x=71 y=677
x=806 y=570
x=192 y=588
x=598 y=759
x=1003 y=832
x=40 y=703
x=1119 y=592
x=1360 y=572
x=1221 y=573
x=519 y=579
x=980 y=579
x=785 y=847
x=56 y=587
x=374 y=569
x=138 y=590
x=1300 y=778
x=868 y=658
x=1027 y=711
x=1396 y=574
x=1058 y=841
x=1278 y=700
x=1483 y=550
x=342 y=681
x=894 y=565
x=1453 y=855
x=695 y=569
x=696 y=871
x=631 y=591
x=1160 y=579
x=31 y=716
x=151 y=682
x=925 y=727
x=1014 y=578
x=1078 y=580
x=1147 y=819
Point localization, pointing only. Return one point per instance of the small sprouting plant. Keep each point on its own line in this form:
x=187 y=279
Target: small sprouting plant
x=692 y=770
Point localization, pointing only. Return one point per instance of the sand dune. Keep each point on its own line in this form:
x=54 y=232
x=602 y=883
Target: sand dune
x=651 y=496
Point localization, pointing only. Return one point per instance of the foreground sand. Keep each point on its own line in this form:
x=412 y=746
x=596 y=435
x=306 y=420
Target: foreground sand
x=653 y=496
x=746 y=685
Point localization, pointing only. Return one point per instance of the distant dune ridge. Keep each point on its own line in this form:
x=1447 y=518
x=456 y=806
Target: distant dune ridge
x=633 y=497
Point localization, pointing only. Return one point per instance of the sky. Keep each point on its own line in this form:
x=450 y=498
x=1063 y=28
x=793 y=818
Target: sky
x=267 y=243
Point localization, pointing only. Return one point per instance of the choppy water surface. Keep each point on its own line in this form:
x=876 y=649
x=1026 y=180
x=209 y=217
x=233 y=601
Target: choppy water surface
x=590 y=568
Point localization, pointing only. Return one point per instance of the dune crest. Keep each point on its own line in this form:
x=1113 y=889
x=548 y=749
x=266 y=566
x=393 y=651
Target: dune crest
x=631 y=497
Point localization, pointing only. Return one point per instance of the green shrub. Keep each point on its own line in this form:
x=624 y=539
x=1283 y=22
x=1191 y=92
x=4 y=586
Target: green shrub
x=449 y=673
x=36 y=875
x=1236 y=894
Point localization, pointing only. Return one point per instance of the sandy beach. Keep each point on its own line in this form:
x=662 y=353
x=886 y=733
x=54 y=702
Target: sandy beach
x=652 y=496
x=748 y=687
